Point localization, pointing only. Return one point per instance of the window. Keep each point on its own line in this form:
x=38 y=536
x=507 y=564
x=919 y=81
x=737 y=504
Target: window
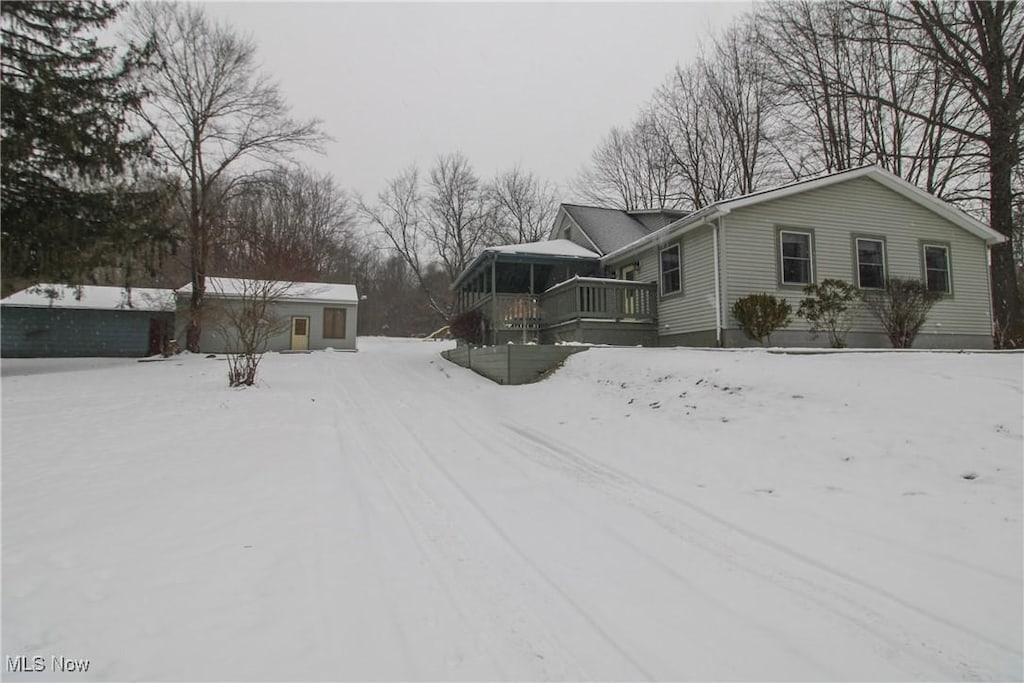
x=936 y=268
x=671 y=272
x=870 y=263
x=795 y=248
x=334 y=323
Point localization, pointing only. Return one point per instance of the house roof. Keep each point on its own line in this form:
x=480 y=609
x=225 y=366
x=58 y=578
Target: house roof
x=880 y=175
x=609 y=229
x=317 y=292
x=94 y=297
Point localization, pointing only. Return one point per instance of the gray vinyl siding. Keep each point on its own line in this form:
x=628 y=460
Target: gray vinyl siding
x=834 y=215
x=692 y=310
x=29 y=332
x=213 y=340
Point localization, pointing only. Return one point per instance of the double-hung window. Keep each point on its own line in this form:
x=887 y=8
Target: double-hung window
x=936 y=268
x=671 y=270
x=795 y=258
x=870 y=263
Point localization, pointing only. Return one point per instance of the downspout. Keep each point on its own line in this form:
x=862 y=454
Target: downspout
x=718 y=287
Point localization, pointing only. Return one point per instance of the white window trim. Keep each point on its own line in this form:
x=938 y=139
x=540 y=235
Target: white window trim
x=949 y=265
x=810 y=258
x=661 y=269
x=885 y=260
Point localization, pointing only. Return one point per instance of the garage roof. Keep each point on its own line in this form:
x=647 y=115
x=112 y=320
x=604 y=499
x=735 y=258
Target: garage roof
x=46 y=295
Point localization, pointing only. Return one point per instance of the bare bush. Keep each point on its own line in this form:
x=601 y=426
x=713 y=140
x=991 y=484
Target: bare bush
x=902 y=307
x=247 y=321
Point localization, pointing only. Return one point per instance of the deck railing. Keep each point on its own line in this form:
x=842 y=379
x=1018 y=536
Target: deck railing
x=589 y=297
x=580 y=297
x=510 y=311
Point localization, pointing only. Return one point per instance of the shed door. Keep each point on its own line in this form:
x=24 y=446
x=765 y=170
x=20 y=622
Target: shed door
x=300 y=333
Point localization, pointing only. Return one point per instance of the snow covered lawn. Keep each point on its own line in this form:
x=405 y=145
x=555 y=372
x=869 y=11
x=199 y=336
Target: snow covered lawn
x=642 y=514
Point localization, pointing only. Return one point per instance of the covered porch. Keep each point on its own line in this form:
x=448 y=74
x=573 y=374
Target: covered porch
x=549 y=292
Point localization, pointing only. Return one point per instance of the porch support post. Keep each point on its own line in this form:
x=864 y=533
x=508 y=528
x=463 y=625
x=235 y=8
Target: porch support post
x=494 y=301
x=533 y=308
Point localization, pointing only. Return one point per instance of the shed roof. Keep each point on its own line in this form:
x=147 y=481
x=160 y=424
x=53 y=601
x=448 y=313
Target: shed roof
x=95 y=297
x=322 y=292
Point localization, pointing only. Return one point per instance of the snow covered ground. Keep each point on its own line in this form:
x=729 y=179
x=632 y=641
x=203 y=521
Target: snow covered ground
x=642 y=514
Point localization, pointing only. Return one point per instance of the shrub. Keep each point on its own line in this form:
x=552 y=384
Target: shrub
x=828 y=307
x=902 y=308
x=468 y=327
x=247 y=322
x=761 y=314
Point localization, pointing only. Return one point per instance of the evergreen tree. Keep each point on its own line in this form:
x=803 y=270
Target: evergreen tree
x=65 y=102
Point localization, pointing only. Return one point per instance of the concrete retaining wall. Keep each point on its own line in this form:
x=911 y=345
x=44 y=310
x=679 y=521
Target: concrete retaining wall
x=511 y=363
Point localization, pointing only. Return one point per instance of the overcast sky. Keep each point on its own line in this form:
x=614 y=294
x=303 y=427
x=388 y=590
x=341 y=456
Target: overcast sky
x=530 y=83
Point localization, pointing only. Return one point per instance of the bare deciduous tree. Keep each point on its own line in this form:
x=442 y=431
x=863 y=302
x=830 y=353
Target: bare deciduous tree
x=288 y=224
x=979 y=46
x=398 y=214
x=210 y=110
x=523 y=206
x=447 y=222
x=631 y=169
x=736 y=74
x=693 y=138
x=457 y=216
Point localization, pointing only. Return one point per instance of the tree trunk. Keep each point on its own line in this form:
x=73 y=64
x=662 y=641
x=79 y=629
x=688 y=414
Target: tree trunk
x=1006 y=303
x=195 y=310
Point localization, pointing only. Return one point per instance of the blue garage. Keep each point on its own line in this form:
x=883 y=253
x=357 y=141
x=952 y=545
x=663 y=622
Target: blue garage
x=49 y=320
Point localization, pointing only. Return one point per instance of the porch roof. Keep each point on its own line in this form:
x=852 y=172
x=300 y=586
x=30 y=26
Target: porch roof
x=546 y=251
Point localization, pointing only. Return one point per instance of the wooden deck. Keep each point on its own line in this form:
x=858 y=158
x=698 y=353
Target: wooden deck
x=598 y=302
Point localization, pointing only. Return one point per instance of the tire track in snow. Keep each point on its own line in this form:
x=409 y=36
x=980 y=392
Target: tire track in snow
x=841 y=603
x=393 y=374
x=437 y=538
x=595 y=475
x=589 y=476
x=356 y=487
x=425 y=536
x=571 y=459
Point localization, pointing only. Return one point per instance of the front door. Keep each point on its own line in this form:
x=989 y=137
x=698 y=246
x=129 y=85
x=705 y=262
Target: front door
x=300 y=333
x=629 y=295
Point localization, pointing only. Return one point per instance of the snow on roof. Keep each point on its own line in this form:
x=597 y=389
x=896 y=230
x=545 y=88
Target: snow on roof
x=546 y=248
x=288 y=291
x=93 y=297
